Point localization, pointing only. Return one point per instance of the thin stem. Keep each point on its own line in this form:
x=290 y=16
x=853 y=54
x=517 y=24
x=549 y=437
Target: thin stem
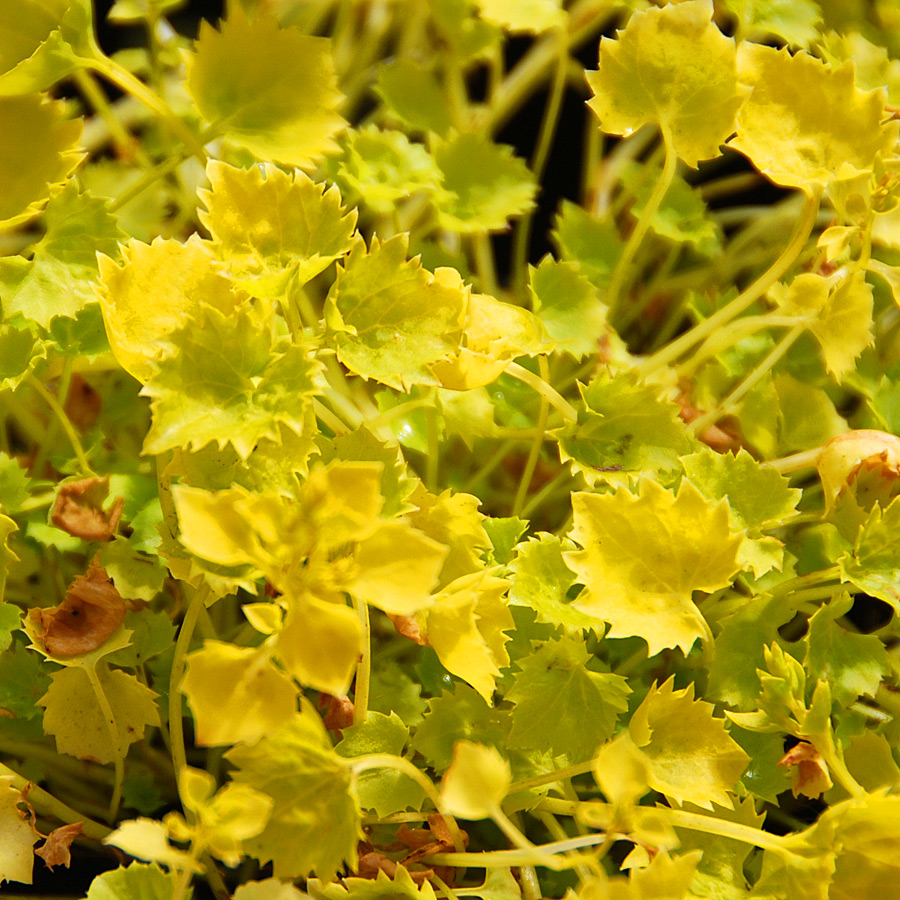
x=805 y=459
x=364 y=666
x=535 y=450
x=327 y=417
x=64 y=421
x=176 y=721
x=433 y=457
x=743 y=301
x=484 y=263
x=527 y=784
x=51 y=438
x=125 y=144
x=110 y=719
x=750 y=382
x=539 y=158
x=123 y=79
x=50 y=806
x=557 y=401
x=618 y=282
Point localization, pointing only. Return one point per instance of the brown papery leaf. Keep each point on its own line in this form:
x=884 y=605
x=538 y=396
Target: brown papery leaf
x=55 y=850
x=91 y=611
x=79 y=509
x=83 y=403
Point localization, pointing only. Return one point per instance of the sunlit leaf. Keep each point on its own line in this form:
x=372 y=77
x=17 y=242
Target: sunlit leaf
x=270 y=90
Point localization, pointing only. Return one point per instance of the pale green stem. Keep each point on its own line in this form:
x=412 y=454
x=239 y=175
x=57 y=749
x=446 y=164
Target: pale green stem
x=539 y=160
x=110 y=719
x=842 y=775
x=550 y=488
x=802 y=582
x=488 y=466
x=126 y=146
x=50 y=806
x=733 y=332
x=159 y=171
x=176 y=721
x=64 y=421
x=683 y=819
x=433 y=457
x=535 y=450
x=623 y=270
x=750 y=382
x=484 y=263
x=557 y=401
x=50 y=439
x=401 y=409
x=805 y=459
x=538 y=856
x=399 y=764
x=364 y=666
x=123 y=79
x=326 y=416
x=505 y=858
x=743 y=301
x=526 y=784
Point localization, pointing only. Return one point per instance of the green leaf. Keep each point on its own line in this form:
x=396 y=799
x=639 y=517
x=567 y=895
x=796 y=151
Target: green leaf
x=270 y=90
x=568 y=306
x=57 y=281
x=561 y=706
x=382 y=887
x=14 y=483
x=874 y=563
x=23 y=679
x=854 y=664
x=40 y=154
x=462 y=715
x=636 y=576
x=757 y=498
x=88 y=736
x=382 y=168
x=840 y=313
x=138 y=881
x=805 y=121
x=739 y=650
x=794 y=21
x=389 y=318
x=226 y=380
x=276 y=230
x=414 y=96
x=315 y=824
x=42 y=41
x=386 y=791
x=808 y=417
x=542 y=581
x=593 y=244
x=259 y=696
x=484 y=184
x=671 y=67
x=682 y=216
x=623 y=427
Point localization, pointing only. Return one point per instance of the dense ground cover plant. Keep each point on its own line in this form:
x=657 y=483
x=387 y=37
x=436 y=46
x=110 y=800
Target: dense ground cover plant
x=342 y=555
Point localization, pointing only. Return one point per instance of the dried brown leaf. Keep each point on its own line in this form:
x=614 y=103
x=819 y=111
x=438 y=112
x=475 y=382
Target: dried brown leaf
x=79 y=509
x=91 y=611
x=55 y=850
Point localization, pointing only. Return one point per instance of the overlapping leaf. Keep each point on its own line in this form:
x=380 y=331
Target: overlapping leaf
x=275 y=229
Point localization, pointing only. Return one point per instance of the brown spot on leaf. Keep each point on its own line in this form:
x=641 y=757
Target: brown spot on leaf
x=91 y=611
x=79 y=509
x=55 y=850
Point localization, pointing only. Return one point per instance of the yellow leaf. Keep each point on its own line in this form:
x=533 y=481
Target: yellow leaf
x=179 y=278
x=645 y=554
x=235 y=693
x=805 y=122
x=476 y=782
x=466 y=627
x=18 y=837
x=670 y=67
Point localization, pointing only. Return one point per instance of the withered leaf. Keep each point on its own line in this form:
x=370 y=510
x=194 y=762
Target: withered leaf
x=91 y=611
x=83 y=403
x=55 y=850
x=79 y=509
